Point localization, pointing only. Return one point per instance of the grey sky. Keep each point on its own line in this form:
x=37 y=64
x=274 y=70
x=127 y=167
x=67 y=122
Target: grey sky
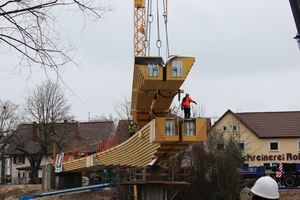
x=246 y=58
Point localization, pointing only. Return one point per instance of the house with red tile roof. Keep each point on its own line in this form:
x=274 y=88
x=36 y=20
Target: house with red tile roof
x=73 y=134
x=265 y=138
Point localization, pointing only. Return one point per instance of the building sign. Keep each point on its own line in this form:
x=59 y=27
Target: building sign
x=280 y=157
x=58 y=164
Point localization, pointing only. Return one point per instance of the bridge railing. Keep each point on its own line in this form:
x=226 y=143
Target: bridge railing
x=98 y=148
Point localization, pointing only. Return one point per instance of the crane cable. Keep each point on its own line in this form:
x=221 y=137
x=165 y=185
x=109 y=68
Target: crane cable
x=158 y=41
x=165 y=14
x=148 y=28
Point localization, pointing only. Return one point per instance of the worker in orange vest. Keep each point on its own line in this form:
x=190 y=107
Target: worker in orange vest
x=186 y=105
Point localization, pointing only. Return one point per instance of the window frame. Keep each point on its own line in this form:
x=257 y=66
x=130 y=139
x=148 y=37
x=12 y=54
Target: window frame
x=244 y=145
x=234 y=128
x=224 y=129
x=153 y=70
x=274 y=141
x=19 y=159
x=176 y=68
x=246 y=164
x=170 y=128
x=190 y=129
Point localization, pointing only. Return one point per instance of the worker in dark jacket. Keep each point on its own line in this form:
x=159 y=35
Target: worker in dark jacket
x=132 y=128
x=186 y=105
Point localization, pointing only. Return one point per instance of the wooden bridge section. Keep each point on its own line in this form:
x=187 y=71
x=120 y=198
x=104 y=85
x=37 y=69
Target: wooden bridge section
x=155 y=85
x=156 y=142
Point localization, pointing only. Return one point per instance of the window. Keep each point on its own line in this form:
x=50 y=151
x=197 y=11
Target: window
x=241 y=145
x=189 y=128
x=153 y=70
x=170 y=128
x=273 y=145
x=269 y=166
x=220 y=146
x=224 y=128
x=177 y=68
x=234 y=128
x=21 y=174
x=245 y=165
x=19 y=159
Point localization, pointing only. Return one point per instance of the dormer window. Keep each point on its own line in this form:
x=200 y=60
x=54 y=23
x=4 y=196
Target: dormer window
x=170 y=128
x=153 y=70
x=177 y=68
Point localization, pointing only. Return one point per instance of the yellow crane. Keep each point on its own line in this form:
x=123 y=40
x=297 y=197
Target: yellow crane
x=139 y=27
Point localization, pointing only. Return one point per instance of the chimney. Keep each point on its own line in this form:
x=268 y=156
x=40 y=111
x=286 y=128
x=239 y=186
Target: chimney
x=34 y=131
x=77 y=125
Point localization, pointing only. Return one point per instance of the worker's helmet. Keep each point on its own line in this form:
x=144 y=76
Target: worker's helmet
x=131 y=122
x=266 y=187
x=187 y=94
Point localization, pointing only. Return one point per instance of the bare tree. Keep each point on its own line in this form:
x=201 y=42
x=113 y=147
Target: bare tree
x=103 y=118
x=122 y=108
x=176 y=110
x=225 y=156
x=198 y=110
x=213 y=165
x=47 y=107
x=47 y=104
x=8 y=123
x=31 y=29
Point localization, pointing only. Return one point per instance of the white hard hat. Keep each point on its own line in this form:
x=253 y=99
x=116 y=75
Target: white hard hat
x=266 y=187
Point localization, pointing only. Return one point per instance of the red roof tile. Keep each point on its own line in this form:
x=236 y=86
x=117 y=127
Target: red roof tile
x=272 y=124
x=78 y=134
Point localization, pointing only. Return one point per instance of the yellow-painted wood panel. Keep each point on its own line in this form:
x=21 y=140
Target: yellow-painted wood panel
x=200 y=130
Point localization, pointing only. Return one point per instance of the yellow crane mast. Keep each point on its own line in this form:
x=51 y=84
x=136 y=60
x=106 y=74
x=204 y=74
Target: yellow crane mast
x=139 y=27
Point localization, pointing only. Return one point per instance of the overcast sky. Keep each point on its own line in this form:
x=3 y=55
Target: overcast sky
x=246 y=58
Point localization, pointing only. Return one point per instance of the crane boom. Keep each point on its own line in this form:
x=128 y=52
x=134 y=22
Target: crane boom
x=295 y=5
